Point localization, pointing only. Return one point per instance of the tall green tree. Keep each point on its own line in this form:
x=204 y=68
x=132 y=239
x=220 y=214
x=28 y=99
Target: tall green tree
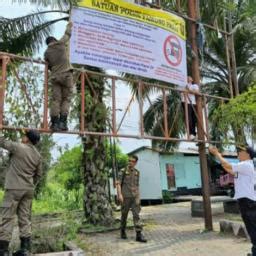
x=244 y=107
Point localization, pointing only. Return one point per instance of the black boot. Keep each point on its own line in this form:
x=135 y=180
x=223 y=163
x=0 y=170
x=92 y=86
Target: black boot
x=55 y=123
x=123 y=234
x=25 y=247
x=63 y=122
x=140 y=237
x=4 y=245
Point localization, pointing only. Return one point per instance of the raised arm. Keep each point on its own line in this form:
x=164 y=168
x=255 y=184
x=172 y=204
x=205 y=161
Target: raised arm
x=225 y=164
x=8 y=145
x=67 y=34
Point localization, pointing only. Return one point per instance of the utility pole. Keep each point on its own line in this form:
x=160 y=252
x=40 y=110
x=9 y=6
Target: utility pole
x=193 y=13
x=228 y=57
x=232 y=55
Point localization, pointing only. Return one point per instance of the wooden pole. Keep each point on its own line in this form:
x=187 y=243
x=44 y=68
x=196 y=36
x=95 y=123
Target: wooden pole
x=232 y=55
x=193 y=13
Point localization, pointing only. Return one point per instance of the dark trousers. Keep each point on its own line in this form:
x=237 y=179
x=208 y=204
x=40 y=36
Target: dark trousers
x=16 y=202
x=192 y=120
x=132 y=203
x=62 y=89
x=248 y=211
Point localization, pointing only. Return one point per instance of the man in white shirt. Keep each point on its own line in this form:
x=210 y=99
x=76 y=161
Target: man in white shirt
x=245 y=187
x=191 y=100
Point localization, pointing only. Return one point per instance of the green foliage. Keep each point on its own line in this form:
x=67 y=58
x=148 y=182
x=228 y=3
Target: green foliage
x=239 y=113
x=67 y=170
x=44 y=147
x=55 y=198
x=50 y=238
x=167 y=196
x=26 y=34
x=24 y=104
x=115 y=152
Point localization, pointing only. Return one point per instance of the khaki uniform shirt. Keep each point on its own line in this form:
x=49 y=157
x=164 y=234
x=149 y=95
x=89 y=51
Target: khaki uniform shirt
x=25 y=169
x=129 y=181
x=56 y=54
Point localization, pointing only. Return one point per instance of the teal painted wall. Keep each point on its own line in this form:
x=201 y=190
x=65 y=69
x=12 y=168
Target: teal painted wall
x=187 y=170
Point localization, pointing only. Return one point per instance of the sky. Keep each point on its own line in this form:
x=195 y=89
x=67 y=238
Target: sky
x=130 y=125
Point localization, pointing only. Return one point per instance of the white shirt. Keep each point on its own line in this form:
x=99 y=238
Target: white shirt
x=244 y=180
x=191 y=97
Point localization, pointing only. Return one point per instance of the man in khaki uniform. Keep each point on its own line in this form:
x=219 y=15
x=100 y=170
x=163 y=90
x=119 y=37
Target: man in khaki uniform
x=129 y=197
x=61 y=79
x=21 y=178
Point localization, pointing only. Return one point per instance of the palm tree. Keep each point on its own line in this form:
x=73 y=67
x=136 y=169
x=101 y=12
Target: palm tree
x=214 y=68
x=215 y=63
x=26 y=34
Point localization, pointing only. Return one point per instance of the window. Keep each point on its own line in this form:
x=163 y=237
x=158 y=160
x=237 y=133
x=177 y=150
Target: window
x=170 y=173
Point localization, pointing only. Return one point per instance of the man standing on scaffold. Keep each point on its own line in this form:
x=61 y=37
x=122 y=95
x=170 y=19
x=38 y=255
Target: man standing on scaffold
x=61 y=79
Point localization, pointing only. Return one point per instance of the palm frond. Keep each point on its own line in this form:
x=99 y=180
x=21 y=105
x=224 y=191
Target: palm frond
x=25 y=34
x=60 y=4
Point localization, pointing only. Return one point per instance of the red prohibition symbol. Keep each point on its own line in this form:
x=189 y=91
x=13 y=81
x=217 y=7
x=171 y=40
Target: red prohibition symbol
x=172 y=50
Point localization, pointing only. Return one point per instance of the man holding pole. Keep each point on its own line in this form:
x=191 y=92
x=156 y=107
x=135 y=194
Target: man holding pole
x=61 y=79
x=245 y=187
x=22 y=176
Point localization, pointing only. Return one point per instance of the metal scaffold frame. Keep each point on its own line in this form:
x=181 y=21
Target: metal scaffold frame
x=85 y=82
x=193 y=19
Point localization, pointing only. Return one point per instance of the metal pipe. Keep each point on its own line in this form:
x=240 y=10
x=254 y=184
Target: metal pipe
x=42 y=130
x=186 y=113
x=226 y=39
x=206 y=118
x=125 y=112
x=23 y=87
x=146 y=84
x=233 y=56
x=13 y=56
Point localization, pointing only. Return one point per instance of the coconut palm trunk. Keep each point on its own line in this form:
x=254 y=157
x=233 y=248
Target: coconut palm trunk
x=97 y=208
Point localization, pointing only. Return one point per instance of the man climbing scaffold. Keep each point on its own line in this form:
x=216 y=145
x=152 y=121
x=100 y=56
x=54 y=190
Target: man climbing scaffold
x=61 y=79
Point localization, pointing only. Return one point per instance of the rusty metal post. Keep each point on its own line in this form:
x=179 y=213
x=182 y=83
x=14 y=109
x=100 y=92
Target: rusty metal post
x=228 y=57
x=45 y=117
x=186 y=113
x=114 y=132
x=82 y=103
x=4 y=61
x=232 y=55
x=206 y=118
x=192 y=13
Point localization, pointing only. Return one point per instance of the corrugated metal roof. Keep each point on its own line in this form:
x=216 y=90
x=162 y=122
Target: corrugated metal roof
x=179 y=150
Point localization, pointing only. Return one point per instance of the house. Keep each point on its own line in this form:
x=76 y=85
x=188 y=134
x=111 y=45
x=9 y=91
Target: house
x=175 y=172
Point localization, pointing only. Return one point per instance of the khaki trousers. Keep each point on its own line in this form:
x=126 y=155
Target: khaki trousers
x=132 y=203
x=16 y=202
x=62 y=88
